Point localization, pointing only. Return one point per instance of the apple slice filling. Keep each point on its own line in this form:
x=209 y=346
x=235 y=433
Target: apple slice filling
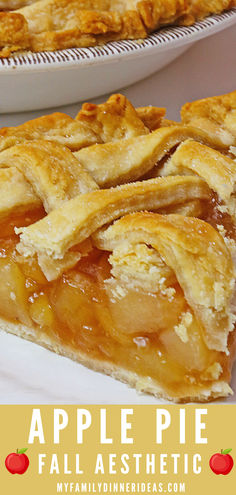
x=147 y=327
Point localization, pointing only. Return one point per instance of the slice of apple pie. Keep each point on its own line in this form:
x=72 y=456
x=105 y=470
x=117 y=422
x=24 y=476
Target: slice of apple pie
x=117 y=242
x=57 y=24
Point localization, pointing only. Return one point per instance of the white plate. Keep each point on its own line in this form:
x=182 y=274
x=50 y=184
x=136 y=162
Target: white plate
x=49 y=79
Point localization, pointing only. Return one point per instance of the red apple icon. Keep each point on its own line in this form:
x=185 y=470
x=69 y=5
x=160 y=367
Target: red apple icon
x=221 y=463
x=17 y=462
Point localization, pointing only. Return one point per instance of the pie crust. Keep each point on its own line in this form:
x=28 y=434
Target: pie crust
x=117 y=242
x=41 y=25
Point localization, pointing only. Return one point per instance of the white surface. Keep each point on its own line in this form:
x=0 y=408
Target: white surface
x=43 y=88
x=30 y=374
x=38 y=80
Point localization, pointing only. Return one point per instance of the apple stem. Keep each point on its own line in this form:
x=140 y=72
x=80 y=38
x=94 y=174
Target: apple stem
x=17 y=450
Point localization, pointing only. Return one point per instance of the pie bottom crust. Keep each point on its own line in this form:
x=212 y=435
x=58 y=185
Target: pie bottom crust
x=169 y=234
x=191 y=393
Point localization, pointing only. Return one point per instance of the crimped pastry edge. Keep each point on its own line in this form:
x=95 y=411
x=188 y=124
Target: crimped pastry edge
x=142 y=384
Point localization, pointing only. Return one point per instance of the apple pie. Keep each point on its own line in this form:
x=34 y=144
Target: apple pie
x=42 y=25
x=117 y=242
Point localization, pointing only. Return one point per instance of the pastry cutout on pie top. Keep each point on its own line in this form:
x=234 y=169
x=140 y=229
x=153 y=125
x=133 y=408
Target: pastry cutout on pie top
x=79 y=263
x=58 y=24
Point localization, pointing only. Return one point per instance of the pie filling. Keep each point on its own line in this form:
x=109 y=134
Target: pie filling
x=153 y=333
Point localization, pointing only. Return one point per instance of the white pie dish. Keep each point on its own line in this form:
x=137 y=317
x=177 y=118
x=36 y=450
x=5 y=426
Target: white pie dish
x=33 y=81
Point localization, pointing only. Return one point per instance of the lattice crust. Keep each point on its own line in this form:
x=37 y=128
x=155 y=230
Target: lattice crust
x=75 y=221
x=218 y=170
x=117 y=118
x=196 y=254
x=129 y=159
x=111 y=121
x=157 y=195
x=127 y=151
x=217 y=114
x=44 y=171
x=58 y=24
x=121 y=158
x=56 y=127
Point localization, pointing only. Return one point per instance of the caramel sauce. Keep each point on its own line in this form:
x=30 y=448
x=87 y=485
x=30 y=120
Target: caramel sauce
x=79 y=311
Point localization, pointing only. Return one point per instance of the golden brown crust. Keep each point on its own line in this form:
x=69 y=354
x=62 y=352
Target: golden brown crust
x=57 y=127
x=198 y=9
x=157 y=13
x=129 y=159
x=169 y=250
x=45 y=169
x=194 y=208
x=58 y=24
x=216 y=169
x=14 y=4
x=91 y=22
x=65 y=24
x=216 y=114
x=75 y=221
x=23 y=197
x=198 y=256
x=152 y=117
x=14 y=33
x=113 y=120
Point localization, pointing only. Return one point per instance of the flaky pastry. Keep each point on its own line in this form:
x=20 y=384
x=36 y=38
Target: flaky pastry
x=216 y=114
x=117 y=244
x=57 y=24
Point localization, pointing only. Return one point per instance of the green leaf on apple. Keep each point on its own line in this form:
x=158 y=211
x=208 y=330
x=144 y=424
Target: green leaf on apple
x=226 y=451
x=22 y=451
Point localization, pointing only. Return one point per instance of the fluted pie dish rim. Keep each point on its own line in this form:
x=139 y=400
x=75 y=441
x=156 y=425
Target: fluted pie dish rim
x=165 y=39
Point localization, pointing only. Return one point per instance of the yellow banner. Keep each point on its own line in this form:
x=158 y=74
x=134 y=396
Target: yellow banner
x=118 y=449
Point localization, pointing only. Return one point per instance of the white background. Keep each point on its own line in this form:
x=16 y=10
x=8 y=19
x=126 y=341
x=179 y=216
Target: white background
x=30 y=374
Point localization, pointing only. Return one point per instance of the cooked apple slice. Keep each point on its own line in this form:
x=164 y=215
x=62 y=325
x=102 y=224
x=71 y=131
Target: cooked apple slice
x=13 y=293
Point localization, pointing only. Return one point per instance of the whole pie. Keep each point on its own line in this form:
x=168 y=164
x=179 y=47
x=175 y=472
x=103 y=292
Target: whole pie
x=40 y=25
x=117 y=242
